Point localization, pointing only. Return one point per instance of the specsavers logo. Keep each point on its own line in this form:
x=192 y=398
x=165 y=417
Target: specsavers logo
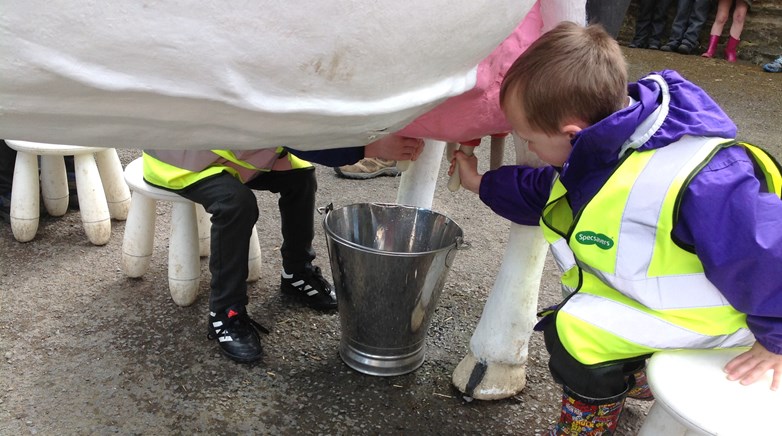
x=591 y=238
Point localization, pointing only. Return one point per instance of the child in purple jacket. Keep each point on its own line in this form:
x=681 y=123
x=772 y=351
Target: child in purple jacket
x=668 y=231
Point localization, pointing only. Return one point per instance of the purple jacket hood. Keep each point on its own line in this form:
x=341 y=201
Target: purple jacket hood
x=665 y=107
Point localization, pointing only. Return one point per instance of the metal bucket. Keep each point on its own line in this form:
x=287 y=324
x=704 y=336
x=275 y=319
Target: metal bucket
x=389 y=264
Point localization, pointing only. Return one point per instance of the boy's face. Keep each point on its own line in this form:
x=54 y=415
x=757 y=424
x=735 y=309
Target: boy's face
x=552 y=149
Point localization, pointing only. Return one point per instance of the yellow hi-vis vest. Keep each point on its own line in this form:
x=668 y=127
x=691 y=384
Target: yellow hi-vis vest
x=177 y=169
x=633 y=290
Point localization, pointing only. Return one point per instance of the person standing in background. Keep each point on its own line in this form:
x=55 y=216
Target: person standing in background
x=740 y=8
x=650 y=24
x=686 y=28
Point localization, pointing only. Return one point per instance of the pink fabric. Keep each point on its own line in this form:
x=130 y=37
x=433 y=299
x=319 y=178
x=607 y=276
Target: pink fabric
x=476 y=113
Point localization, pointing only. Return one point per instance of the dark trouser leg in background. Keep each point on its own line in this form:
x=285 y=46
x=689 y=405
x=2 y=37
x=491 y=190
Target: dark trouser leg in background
x=698 y=15
x=7 y=161
x=234 y=212
x=659 y=20
x=643 y=23
x=679 y=24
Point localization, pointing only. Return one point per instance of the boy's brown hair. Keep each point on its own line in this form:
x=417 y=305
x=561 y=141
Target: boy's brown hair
x=570 y=72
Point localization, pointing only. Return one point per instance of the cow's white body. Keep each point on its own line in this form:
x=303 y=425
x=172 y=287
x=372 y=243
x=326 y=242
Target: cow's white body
x=185 y=74
x=316 y=74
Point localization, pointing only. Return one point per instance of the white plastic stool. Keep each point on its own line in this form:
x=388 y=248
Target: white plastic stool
x=102 y=192
x=189 y=241
x=693 y=396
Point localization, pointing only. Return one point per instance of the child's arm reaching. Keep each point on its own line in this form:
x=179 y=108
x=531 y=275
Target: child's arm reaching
x=748 y=367
x=515 y=192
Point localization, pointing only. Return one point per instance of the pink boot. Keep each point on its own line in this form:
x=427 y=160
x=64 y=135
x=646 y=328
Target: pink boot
x=730 y=49
x=713 y=40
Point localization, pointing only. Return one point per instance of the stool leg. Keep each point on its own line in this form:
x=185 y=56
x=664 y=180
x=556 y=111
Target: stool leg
x=25 y=199
x=139 y=236
x=92 y=200
x=117 y=191
x=254 y=259
x=659 y=422
x=204 y=231
x=184 y=266
x=54 y=185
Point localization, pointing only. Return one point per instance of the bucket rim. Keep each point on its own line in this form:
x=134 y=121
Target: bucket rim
x=331 y=234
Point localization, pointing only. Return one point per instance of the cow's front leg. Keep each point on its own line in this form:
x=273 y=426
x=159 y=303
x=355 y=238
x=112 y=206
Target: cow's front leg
x=495 y=366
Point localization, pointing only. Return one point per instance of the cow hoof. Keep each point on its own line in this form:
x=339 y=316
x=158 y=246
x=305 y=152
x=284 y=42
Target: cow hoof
x=484 y=380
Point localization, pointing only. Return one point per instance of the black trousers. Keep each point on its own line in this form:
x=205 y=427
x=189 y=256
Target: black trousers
x=234 y=212
x=599 y=381
x=7 y=161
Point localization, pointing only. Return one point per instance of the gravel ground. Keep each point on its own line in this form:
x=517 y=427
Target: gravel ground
x=85 y=350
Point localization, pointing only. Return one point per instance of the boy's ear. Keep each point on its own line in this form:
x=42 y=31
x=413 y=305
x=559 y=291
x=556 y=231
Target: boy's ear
x=572 y=128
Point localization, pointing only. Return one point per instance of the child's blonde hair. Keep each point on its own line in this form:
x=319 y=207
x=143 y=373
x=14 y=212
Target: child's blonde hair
x=570 y=73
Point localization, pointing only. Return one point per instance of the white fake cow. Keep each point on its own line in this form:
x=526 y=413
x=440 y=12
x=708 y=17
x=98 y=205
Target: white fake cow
x=316 y=74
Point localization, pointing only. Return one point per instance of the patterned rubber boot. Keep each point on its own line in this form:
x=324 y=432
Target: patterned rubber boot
x=585 y=416
x=641 y=389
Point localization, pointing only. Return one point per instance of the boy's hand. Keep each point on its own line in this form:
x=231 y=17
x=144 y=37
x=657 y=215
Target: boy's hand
x=393 y=147
x=468 y=171
x=749 y=366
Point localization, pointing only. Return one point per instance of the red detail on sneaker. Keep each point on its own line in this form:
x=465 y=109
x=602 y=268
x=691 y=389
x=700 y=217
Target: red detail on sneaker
x=232 y=313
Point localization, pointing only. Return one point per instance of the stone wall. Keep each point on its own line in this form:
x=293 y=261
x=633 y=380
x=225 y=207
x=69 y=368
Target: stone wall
x=761 y=40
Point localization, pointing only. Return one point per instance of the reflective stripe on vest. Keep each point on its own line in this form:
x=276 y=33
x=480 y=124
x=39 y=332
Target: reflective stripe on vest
x=563 y=256
x=637 y=290
x=177 y=169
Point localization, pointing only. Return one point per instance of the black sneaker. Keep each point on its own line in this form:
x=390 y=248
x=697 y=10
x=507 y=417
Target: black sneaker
x=685 y=49
x=237 y=334
x=310 y=288
x=671 y=46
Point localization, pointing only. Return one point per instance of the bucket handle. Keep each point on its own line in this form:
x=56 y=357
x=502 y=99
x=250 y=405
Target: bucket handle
x=325 y=209
x=461 y=244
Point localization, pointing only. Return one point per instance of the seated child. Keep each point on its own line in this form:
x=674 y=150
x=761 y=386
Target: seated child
x=223 y=182
x=668 y=231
